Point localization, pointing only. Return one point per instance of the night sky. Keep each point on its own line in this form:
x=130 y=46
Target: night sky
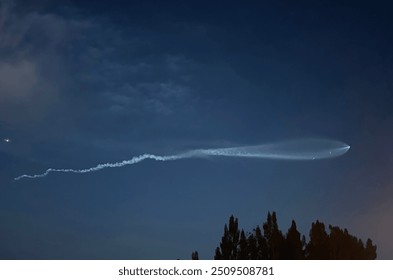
x=88 y=82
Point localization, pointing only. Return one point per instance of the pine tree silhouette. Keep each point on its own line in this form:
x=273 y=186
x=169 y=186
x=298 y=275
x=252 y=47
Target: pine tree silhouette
x=195 y=255
x=272 y=244
x=293 y=245
x=229 y=242
x=318 y=246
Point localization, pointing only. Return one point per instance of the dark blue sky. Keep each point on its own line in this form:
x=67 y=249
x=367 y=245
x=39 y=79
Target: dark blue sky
x=86 y=82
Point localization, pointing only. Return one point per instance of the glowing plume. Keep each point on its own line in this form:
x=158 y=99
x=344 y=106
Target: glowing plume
x=306 y=149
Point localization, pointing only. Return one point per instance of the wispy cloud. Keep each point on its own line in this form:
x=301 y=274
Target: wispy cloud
x=32 y=47
x=90 y=79
x=17 y=80
x=157 y=98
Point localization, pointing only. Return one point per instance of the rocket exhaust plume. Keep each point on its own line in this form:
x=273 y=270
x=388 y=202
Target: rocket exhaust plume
x=304 y=149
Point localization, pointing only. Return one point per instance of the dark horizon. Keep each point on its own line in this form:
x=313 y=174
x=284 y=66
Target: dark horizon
x=90 y=82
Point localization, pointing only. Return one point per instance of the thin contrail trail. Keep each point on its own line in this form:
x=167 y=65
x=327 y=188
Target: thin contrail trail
x=306 y=149
x=134 y=160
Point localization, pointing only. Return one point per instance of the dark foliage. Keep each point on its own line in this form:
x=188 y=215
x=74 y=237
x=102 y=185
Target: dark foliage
x=270 y=243
x=195 y=255
x=228 y=249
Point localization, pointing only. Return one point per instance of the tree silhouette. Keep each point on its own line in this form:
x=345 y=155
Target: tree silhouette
x=257 y=245
x=195 y=255
x=371 y=250
x=318 y=247
x=243 y=250
x=293 y=244
x=274 y=237
x=229 y=242
x=272 y=244
x=344 y=246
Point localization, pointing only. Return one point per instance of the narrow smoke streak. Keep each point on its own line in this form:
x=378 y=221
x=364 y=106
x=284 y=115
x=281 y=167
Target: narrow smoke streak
x=134 y=160
x=306 y=149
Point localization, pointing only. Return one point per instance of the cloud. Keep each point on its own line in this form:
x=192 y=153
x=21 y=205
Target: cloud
x=65 y=77
x=17 y=80
x=32 y=63
x=157 y=98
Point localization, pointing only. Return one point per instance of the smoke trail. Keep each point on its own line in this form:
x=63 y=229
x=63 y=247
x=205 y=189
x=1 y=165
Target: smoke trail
x=134 y=160
x=308 y=149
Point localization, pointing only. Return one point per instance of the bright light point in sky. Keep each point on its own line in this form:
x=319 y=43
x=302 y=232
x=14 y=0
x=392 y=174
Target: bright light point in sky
x=7 y=140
